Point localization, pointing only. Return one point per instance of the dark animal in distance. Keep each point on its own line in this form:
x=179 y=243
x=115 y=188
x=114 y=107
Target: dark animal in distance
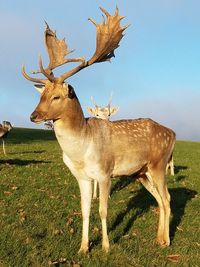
x=5 y=128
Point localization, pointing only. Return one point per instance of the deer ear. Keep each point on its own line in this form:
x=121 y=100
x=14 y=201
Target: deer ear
x=39 y=87
x=69 y=90
x=113 y=110
x=91 y=111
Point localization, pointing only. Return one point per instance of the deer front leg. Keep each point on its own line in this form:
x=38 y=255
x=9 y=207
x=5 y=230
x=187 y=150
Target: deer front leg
x=104 y=191
x=86 y=195
x=4 y=150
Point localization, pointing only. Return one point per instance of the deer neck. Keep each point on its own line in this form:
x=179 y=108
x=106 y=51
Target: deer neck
x=70 y=129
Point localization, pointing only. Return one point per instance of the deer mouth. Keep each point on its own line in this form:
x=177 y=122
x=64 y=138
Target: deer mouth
x=38 y=117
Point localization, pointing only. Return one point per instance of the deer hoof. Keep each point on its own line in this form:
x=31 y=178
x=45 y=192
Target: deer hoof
x=162 y=242
x=83 y=250
x=106 y=248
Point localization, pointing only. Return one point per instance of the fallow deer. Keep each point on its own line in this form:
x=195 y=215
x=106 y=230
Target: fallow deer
x=100 y=112
x=103 y=113
x=48 y=125
x=5 y=128
x=96 y=149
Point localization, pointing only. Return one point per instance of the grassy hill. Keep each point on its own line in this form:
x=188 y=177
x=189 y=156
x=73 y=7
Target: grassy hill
x=40 y=219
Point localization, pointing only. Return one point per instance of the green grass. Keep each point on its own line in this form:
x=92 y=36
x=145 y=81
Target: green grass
x=40 y=210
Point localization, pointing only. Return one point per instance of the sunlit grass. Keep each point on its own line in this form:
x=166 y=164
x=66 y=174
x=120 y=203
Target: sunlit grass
x=40 y=221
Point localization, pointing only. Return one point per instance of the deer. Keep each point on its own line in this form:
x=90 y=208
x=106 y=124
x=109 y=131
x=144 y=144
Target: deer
x=95 y=149
x=48 y=125
x=100 y=112
x=103 y=113
x=5 y=128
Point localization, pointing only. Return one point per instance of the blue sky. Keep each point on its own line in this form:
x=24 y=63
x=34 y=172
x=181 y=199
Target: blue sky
x=156 y=71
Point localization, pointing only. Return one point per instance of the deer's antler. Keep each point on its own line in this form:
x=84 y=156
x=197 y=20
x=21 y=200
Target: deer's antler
x=108 y=35
x=57 y=51
x=36 y=80
x=93 y=102
x=110 y=100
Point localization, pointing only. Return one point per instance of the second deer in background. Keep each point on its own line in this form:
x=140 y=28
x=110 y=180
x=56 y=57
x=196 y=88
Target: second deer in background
x=100 y=112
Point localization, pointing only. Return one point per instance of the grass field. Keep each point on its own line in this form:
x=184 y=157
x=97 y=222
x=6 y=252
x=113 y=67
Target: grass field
x=40 y=223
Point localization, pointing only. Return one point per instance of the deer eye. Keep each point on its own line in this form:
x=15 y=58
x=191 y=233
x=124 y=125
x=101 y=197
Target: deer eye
x=56 y=98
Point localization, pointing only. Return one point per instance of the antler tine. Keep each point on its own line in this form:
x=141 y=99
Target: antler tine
x=94 y=103
x=116 y=11
x=36 y=80
x=110 y=99
x=106 y=12
x=108 y=36
x=47 y=25
x=50 y=77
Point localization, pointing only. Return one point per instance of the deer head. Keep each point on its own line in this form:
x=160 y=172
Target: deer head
x=7 y=125
x=103 y=113
x=56 y=95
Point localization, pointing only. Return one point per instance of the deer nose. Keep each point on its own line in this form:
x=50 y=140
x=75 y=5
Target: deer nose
x=33 y=116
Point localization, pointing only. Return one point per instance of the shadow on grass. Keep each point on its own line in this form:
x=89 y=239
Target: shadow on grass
x=28 y=152
x=121 y=183
x=142 y=203
x=178 y=168
x=180 y=178
x=179 y=198
x=20 y=162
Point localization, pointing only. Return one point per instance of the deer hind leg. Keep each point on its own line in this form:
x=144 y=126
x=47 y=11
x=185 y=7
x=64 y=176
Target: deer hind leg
x=95 y=190
x=104 y=191
x=157 y=187
x=171 y=166
x=86 y=196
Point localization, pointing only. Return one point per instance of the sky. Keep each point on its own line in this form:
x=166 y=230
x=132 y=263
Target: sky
x=155 y=72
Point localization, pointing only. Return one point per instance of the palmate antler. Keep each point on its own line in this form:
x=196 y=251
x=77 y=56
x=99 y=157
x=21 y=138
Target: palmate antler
x=108 y=35
x=57 y=51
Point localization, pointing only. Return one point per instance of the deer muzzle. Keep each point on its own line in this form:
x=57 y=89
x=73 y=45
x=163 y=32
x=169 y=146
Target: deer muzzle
x=37 y=116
